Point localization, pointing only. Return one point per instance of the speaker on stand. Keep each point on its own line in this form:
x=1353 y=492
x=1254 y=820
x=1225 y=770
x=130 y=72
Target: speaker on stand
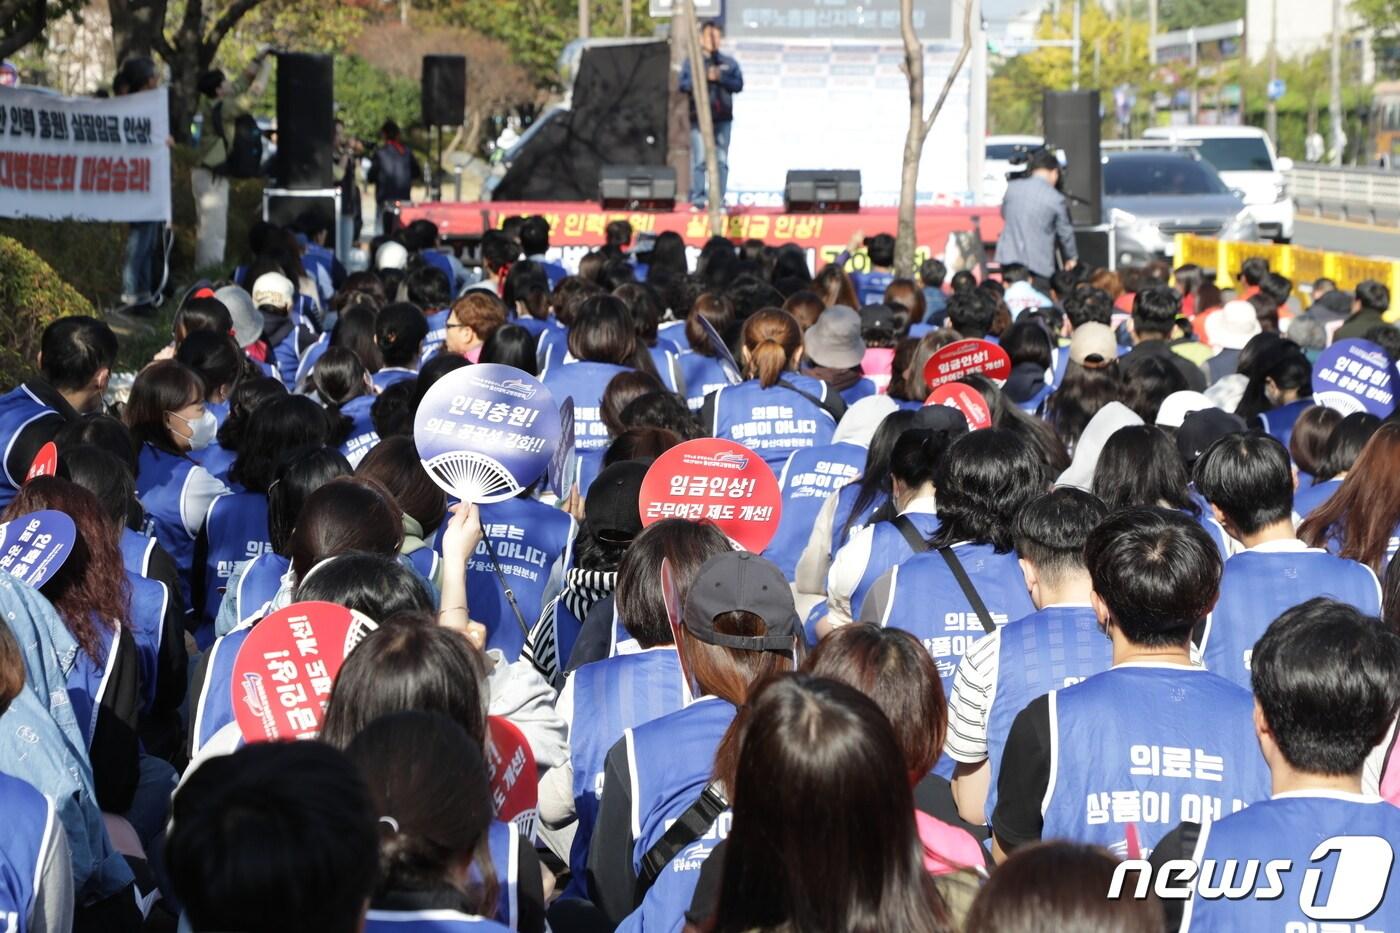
x=444 y=103
x=1072 y=125
x=306 y=119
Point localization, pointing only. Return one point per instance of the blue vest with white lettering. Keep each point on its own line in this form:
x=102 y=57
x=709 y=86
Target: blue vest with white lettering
x=888 y=548
x=1051 y=648
x=809 y=478
x=503 y=840
x=845 y=503
x=160 y=485
x=437 y=332
x=1279 y=422
x=670 y=895
x=286 y=355
x=391 y=375
x=527 y=537
x=773 y=422
x=29 y=823
x=584 y=382
x=18 y=408
x=663 y=355
x=427 y=921
x=136 y=551
x=702 y=375
x=925 y=599
x=237 y=531
x=610 y=697
x=1308 y=498
x=870 y=286
x=213 y=709
x=261 y=580
x=149 y=601
x=1258 y=586
x=362 y=437
x=1151 y=745
x=87 y=681
x=1344 y=843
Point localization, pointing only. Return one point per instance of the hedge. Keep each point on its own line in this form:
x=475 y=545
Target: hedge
x=32 y=295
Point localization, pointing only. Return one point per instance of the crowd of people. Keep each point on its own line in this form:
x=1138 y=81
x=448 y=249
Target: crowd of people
x=1149 y=613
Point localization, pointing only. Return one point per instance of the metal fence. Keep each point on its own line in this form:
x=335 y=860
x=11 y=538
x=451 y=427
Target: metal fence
x=1371 y=194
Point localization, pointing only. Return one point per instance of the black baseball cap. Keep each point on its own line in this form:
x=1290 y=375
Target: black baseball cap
x=1200 y=429
x=612 y=509
x=737 y=581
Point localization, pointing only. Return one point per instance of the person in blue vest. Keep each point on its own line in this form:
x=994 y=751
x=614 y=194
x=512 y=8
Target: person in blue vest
x=812 y=476
x=1155 y=739
x=1057 y=645
x=422 y=238
x=512 y=345
x=738 y=627
x=527 y=294
x=276 y=836
x=1362 y=520
x=343 y=386
x=1028 y=344
x=428 y=288
x=1247 y=481
x=395 y=465
x=1344 y=445
x=984 y=481
x=870 y=285
x=286 y=331
x=399 y=331
x=355 y=329
x=534 y=242
x=638 y=682
x=699 y=362
x=1326 y=684
x=1307 y=443
x=603 y=343
x=832 y=350
x=564 y=304
x=247 y=397
x=310 y=230
x=167 y=418
x=775 y=411
x=219 y=363
x=76 y=355
x=644 y=304
x=433 y=823
x=36 y=867
x=1279 y=390
x=475 y=317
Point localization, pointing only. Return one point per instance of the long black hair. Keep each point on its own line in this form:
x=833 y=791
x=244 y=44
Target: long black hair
x=873 y=484
x=984 y=481
x=1140 y=466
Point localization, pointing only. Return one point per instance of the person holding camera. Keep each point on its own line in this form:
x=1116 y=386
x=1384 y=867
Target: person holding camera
x=220 y=152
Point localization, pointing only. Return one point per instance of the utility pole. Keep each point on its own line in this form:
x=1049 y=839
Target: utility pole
x=1151 y=61
x=627 y=18
x=583 y=25
x=1271 y=120
x=1074 y=37
x=1334 y=103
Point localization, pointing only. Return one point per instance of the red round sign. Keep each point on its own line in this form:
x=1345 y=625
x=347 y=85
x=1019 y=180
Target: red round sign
x=715 y=480
x=966 y=356
x=284 y=671
x=965 y=399
x=515 y=784
x=45 y=462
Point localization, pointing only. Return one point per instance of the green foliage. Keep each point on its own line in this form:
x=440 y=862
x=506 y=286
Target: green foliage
x=23 y=22
x=366 y=96
x=1181 y=14
x=33 y=295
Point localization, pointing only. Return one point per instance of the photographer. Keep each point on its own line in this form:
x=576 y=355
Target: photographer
x=1037 y=219
x=220 y=156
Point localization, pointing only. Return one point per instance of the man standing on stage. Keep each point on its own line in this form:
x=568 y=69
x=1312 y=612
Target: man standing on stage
x=1037 y=219
x=725 y=80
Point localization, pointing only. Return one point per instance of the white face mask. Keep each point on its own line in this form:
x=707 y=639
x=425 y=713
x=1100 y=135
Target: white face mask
x=202 y=429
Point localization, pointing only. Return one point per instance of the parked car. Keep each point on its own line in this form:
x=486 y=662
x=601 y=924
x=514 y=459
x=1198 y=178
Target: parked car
x=1245 y=158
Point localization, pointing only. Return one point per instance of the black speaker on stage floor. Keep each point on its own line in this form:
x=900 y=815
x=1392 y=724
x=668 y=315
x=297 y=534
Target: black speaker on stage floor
x=1072 y=125
x=444 y=90
x=822 y=192
x=305 y=120
x=637 y=187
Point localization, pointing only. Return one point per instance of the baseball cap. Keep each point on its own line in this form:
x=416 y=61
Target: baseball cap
x=275 y=289
x=940 y=419
x=1232 y=326
x=391 y=255
x=877 y=317
x=1202 y=428
x=1092 y=345
x=834 y=340
x=611 y=508
x=737 y=581
x=247 y=319
x=1178 y=405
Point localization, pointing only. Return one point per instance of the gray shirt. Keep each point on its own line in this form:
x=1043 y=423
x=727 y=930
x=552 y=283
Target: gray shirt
x=1036 y=218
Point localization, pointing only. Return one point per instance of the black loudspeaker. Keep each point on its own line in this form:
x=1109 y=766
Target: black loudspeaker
x=637 y=187
x=444 y=90
x=618 y=118
x=306 y=117
x=284 y=209
x=822 y=192
x=1072 y=124
x=1093 y=249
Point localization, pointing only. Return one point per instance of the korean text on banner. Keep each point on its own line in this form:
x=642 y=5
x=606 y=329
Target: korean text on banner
x=84 y=158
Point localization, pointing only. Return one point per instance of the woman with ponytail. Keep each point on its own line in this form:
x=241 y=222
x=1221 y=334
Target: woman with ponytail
x=343 y=386
x=399 y=332
x=776 y=410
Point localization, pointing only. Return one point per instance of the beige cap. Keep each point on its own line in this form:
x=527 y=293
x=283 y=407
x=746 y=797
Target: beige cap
x=275 y=289
x=1092 y=345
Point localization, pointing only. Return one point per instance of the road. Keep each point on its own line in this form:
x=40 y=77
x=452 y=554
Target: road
x=1347 y=237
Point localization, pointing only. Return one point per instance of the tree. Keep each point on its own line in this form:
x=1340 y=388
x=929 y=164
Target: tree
x=1182 y=14
x=23 y=21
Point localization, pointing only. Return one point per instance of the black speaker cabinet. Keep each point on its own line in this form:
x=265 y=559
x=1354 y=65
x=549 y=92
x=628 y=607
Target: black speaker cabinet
x=637 y=187
x=444 y=90
x=822 y=192
x=1072 y=124
x=305 y=119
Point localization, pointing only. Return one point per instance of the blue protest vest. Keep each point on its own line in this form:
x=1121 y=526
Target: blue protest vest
x=237 y=531
x=1279 y=422
x=862 y=389
x=1258 y=586
x=673 y=331
x=136 y=551
x=925 y=599
x=670 y=895
x=537 y=328
x=87 y=681
x=553 y=347
x=503 y=841
x=845 y=503
x=664 y=356
x=213 y=708
x=870 y=286
x=1051 y=648
x=443 y=263
x=426 y=563
x=808 y=479
x=261 y=580
x=610 y=697
x=362 y=437
x=160 y=486
x=437 y=332
x=427 y=921
x=703 y=375
x=390 y=375
x=29 y=828
x=584 y=382
x=18 y=408
x=286 y=353
x=215 y=458
x=312 y=356
x=773 y=422
x=1152 y=745
x=528 y=538
x=1308 y=498
x=1304 y=828
x=149 y=601
x=566 y=631
x=888 y=548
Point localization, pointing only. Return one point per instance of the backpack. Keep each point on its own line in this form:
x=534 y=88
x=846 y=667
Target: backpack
x=245 y=152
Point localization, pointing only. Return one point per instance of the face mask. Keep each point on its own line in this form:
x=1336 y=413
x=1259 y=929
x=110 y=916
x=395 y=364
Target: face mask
x=202 y=429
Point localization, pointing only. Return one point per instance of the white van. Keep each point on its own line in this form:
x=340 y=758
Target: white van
x=1245 y=158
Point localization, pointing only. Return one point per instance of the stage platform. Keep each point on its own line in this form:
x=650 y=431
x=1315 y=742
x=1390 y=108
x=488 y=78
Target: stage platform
x=577 y=226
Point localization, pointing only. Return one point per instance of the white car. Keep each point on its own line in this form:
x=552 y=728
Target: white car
x=997 y=163
x=1245 y=158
